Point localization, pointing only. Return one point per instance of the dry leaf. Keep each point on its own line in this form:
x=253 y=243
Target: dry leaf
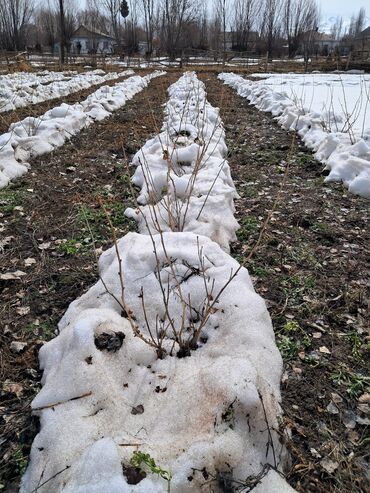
x=29 y=261
x=23 y=310
x=329 y=465
x=44 y=246
x=8 y=276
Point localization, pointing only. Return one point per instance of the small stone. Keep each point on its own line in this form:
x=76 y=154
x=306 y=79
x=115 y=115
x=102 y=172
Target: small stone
x=336 y=398
x=17 y=346
x=332 y=408
x=349 y=419
x=324 y=349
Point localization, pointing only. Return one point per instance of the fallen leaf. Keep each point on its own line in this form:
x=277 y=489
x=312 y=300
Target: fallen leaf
x=315 y=453
x=29 y=261
x=6 y=241
x=364 y=398
x=8 y=276
x=329 y=465
x=324 y=349
x=23 y=310
x=17 y=346
x=45 y=245
x=14 y=388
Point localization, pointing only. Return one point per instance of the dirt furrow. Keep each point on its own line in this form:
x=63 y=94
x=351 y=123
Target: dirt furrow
x=50 y=223
x=312 y=267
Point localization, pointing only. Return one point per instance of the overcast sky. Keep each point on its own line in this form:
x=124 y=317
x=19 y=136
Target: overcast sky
x=345 y=8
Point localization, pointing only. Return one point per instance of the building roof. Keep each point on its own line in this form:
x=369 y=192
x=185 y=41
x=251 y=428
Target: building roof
x=365 y=33
x=84 y=32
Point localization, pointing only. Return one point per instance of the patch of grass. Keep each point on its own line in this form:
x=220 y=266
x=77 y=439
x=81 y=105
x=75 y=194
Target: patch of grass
x=46 y=330
x=304 y=159
x=75 y=246
x=10 y=198
x=355 y=383
x=357 y=343
x=20 y=460
x=291 y=339
x=258 y=271
x=248 y=226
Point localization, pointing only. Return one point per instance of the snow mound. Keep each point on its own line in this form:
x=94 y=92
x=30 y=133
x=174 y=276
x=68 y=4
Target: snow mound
x=183 y=172
x=199 y=413
x=328 y=111
x=23 y=89
x=33 y=137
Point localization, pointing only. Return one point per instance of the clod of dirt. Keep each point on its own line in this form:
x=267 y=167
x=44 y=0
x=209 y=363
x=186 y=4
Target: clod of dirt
x=133 y=474
x=110 y=342
x=138 y=409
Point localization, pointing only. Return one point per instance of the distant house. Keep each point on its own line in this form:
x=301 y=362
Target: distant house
x=85 y=41
x=362 y=41
x=325 y=44
x=235 y=40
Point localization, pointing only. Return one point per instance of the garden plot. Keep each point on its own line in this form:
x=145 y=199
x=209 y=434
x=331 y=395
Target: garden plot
x=23 y=91
x=330 y=112
x=165 y=373
x=33 y=137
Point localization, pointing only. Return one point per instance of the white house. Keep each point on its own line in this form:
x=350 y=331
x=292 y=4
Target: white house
x=85 y=41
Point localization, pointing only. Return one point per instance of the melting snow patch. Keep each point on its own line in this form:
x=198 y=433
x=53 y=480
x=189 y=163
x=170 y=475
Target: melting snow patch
x=329 y=112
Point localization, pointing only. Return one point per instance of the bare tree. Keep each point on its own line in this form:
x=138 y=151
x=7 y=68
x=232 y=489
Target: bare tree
x=148 y=8
x=175 y=15
x=270 y=23
x=246 y=12
x=46 y=19
x=112 y=7
x=299 y=17
x=336 y=30
x=14 y=17
x=222 y=14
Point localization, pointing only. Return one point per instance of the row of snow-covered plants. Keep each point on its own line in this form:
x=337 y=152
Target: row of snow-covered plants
x=330 y=112
x=34 y=136
x=24 y=88
x=165 y=374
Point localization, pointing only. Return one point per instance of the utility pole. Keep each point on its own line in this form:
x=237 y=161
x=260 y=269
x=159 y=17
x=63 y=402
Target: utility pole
x=62 y=32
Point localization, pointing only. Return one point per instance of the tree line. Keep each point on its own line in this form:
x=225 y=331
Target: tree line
x=170 y=26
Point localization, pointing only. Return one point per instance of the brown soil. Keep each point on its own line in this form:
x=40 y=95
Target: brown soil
x=312 y=267
x=44 y=216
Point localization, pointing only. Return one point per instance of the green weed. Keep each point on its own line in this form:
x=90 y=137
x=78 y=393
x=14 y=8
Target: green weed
x=139 y=459
x=355 y=383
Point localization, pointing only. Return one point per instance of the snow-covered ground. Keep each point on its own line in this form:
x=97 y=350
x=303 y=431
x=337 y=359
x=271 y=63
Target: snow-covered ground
x=169 y=354
x=331 y=113
x=35 y=136
x=21 y=89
